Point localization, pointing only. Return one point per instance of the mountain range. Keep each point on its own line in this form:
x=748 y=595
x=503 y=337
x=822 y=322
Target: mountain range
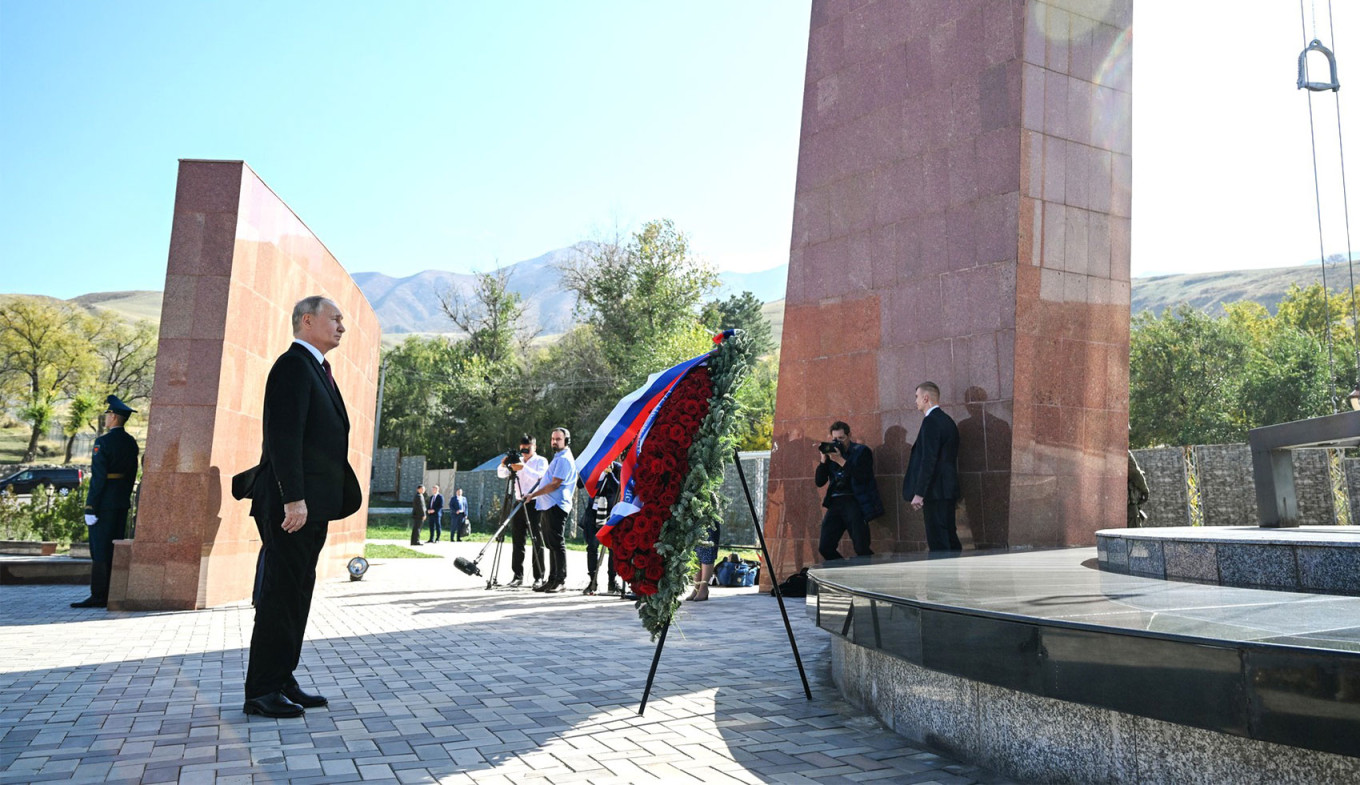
x=411 y=304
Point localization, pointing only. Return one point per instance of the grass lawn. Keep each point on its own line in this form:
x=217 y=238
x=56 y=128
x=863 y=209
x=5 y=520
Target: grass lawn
x=373 y=550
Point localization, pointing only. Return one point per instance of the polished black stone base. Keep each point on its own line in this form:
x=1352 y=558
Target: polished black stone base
x=1314 y=559
x=1271 y=666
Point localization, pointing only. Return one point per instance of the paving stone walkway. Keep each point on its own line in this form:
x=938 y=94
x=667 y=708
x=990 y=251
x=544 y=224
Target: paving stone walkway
x=432 y=678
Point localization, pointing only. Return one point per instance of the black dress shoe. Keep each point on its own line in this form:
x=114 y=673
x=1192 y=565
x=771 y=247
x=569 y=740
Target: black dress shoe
x=304 y=699
x=273 y=705
x=515 y=583
x=90 y=602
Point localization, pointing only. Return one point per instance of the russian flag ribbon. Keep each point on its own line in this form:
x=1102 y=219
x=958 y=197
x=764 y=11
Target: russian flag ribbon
x=626 y=423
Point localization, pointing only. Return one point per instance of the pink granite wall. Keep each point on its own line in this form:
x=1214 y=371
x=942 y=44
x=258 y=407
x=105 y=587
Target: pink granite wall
x=962 y=215
x=239 y=260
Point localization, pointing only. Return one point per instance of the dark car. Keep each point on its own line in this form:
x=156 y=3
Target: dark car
x=25 y=480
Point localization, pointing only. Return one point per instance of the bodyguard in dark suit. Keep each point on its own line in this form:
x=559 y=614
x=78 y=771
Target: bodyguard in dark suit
x=847 y=469
x=420 y=507
x=113 y=471
x=303 y=482
x=436 y=512
x=932 y=480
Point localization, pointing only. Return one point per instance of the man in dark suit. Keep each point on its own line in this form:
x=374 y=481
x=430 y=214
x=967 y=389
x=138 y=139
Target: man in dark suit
x=113 y=471
x=436 y=510
x=420 y=507
x=932 y=480
x=847 y=469
x=458 y=506
x=303 y=482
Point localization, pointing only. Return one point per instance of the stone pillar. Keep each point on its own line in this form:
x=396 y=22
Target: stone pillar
x=962 y=216
x=239 y=260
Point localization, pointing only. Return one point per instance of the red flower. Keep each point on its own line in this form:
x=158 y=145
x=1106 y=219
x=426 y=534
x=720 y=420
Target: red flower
x=645 y=589
x=625 y=570
x=654 y=571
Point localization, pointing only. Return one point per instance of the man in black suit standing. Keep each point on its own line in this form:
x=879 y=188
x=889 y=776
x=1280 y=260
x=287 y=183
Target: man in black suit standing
x=303 y=482
x=932 y=480
x=436 y=511
x=420 y=508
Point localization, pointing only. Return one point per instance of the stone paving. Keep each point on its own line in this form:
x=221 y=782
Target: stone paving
x=432 y=678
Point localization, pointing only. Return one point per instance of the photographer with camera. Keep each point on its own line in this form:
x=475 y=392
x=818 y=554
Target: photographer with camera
x=528 y=467
x=847 y=469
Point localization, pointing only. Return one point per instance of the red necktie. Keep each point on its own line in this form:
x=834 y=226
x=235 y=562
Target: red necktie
x=327 y=365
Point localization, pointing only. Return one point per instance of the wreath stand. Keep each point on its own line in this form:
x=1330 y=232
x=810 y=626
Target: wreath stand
x=774 y=582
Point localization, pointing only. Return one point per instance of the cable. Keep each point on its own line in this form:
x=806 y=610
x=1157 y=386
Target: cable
x=1322 y=253
x=1345 y=200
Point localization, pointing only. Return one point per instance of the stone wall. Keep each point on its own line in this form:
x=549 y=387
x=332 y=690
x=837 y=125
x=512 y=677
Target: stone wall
x=385 y=470
x=1222 y=478
x=411 y=475
x=1169 y=496
x=1313 y=488
x=239 y=259
x=1227 y=493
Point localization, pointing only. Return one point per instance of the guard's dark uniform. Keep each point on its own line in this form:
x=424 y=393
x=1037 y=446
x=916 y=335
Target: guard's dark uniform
x=112 y=475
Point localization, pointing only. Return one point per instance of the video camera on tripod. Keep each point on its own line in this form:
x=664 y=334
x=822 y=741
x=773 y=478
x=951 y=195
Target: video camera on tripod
x=512 y=456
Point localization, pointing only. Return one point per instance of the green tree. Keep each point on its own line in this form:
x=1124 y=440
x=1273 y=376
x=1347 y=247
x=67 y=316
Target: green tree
x=1185 y=379
x=642 y=297
x=491 y=315
x=45 y=352
x=1285 y=379
x=742 y=311
x=126 y=354
x=755 y=398
x=82 y=412
x=413 y=417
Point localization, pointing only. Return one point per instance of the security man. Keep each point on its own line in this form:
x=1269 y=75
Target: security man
x=112 y=476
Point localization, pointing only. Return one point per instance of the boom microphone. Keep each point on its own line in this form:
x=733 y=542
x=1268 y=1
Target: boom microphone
x=467 y=567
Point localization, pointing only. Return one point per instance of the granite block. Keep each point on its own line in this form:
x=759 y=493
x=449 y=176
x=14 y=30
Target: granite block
x=1267 y=568
x=1146 y=558
x=1191 y=561
x=1176 y=754
x=1330 y=570
x=1071 y=743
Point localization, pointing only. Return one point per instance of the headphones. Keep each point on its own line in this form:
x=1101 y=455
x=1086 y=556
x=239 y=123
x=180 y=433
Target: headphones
x=566 y=435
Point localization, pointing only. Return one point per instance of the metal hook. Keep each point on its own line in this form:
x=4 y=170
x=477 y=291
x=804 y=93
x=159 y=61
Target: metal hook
x=1304 y=84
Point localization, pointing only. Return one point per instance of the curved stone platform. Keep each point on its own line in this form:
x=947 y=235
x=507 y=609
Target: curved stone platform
x=1318 y=559
x=1045 y=668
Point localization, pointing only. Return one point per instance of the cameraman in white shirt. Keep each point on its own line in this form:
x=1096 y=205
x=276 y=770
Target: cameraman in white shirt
x=528 y=472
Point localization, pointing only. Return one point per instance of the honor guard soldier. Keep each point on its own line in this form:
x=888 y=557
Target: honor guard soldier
x=112 y=475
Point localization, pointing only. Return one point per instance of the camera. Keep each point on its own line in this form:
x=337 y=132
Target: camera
x=830 y=447
x=512 y=456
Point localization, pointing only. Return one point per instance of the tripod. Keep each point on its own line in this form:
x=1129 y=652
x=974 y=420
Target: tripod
x=492 y=580
x=470 y=567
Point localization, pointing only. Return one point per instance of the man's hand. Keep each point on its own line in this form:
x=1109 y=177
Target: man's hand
x=917 y=502
x=294 y=515
x=91 y=520
x=837 y=458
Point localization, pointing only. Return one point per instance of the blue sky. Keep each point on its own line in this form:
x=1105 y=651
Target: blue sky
x=408 y=135
x=452 y=135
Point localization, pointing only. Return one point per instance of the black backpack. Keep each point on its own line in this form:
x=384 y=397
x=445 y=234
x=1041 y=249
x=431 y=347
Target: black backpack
x=796 y=585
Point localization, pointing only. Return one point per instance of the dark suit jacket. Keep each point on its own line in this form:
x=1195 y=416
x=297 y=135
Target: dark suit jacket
x=859 y=464
x=306 y=443
x=419 y=507
x=436 y=503
x=113 y=472
x=933 y=471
